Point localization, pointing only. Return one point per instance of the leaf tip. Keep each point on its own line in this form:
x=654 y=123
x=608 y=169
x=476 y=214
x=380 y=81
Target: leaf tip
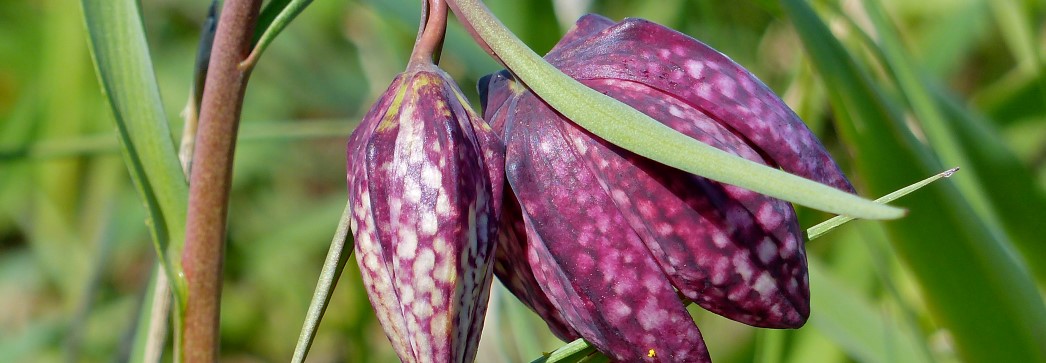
x=891 y=212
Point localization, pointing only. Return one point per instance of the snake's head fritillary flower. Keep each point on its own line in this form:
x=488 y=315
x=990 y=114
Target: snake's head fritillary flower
x=602 y=239
x=425 y=177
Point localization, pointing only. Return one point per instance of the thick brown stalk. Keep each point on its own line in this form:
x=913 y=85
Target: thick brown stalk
x=210 y=178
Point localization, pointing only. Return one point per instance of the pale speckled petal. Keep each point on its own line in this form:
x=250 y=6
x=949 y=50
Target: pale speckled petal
x=734 y=252
x=599 y=221
x=587 y=259
x=377 y=278
x=425 y=179
x=512 y=268
x=585 y=27
x=510 y=265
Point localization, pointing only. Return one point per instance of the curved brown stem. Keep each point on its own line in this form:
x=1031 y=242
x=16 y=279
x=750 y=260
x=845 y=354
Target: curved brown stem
x=431 y=32
x=210 y=178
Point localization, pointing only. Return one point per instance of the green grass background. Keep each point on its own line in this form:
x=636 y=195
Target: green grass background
x=897 y=90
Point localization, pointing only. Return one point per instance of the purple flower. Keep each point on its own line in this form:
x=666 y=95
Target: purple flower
x=425 y=178
x=599 y=240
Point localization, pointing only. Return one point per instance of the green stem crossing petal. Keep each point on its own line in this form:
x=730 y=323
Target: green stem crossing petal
x=637 y=132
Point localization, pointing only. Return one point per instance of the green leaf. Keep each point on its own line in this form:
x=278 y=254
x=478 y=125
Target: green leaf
x=932 y=122
x=252 y=132
x=572 y=352
x=125 y=71
x=1018 y=32
x=851 y=322
x=823 y=227
x=121 y=57
x=1015 y=98
x=338 y=254
x=272 y=20
x=625 y=126
x=149 y=348
x=1012 y=203
x=769 y=345
x=972 y=284
x=1012 y=189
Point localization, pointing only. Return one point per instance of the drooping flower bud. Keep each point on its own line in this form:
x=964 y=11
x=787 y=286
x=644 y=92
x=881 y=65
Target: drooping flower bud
x=610 y=236
x=425 y=177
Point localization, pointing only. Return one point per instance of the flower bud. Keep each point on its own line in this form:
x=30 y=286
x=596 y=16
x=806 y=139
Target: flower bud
x=425 y=179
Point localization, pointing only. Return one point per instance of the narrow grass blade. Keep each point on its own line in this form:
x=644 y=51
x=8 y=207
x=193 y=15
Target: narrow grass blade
x=121 y=56
x=625 y=126
x=1018 y=32
x=972 y=284
x=252 y=132
x=821 y=228
x=148 y=347
x=276 y=15
x=929 y=117
x=1002 y=191
x=339 y=253
x=574 y=351
x=851 y=322
x=1012 y=188
x=203 y=55
x=1014 y=99
x=769 y=346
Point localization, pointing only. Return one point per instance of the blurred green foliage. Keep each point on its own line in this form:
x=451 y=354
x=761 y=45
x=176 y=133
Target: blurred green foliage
x=963 y=83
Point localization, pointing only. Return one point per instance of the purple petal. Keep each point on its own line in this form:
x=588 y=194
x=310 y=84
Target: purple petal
x=377 y=278
x=512 y=268
x=495 y=91
x=594 y=268
x=733 y=251
x=645 y=52
x=510 y=265
x=586 y=26
x=425 y=216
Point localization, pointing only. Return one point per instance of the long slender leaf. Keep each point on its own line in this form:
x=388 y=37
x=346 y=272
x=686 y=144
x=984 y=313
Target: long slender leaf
x=147 y=348
x=338 y=254
x=572 y=352
x=272 y=20
x=633 y=130
x=822 y=228
x=1015 y=195
x=121 y=56
x=933 y=124
x=967 y=139
x=1018 y=32
x=252 y=132
x=1015 y=98
x=996 y=209
x=849 y=321
x=972 y=284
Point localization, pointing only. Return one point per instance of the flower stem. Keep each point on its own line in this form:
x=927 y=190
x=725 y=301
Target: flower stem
x=211 y=176
x=433 y=28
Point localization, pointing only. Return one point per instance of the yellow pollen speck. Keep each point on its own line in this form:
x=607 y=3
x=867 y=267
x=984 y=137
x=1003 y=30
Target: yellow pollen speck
x=387 y=123
x=652 y=353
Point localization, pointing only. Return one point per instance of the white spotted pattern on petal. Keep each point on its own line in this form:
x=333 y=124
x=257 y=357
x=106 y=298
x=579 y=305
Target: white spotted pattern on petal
x=421 y=174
